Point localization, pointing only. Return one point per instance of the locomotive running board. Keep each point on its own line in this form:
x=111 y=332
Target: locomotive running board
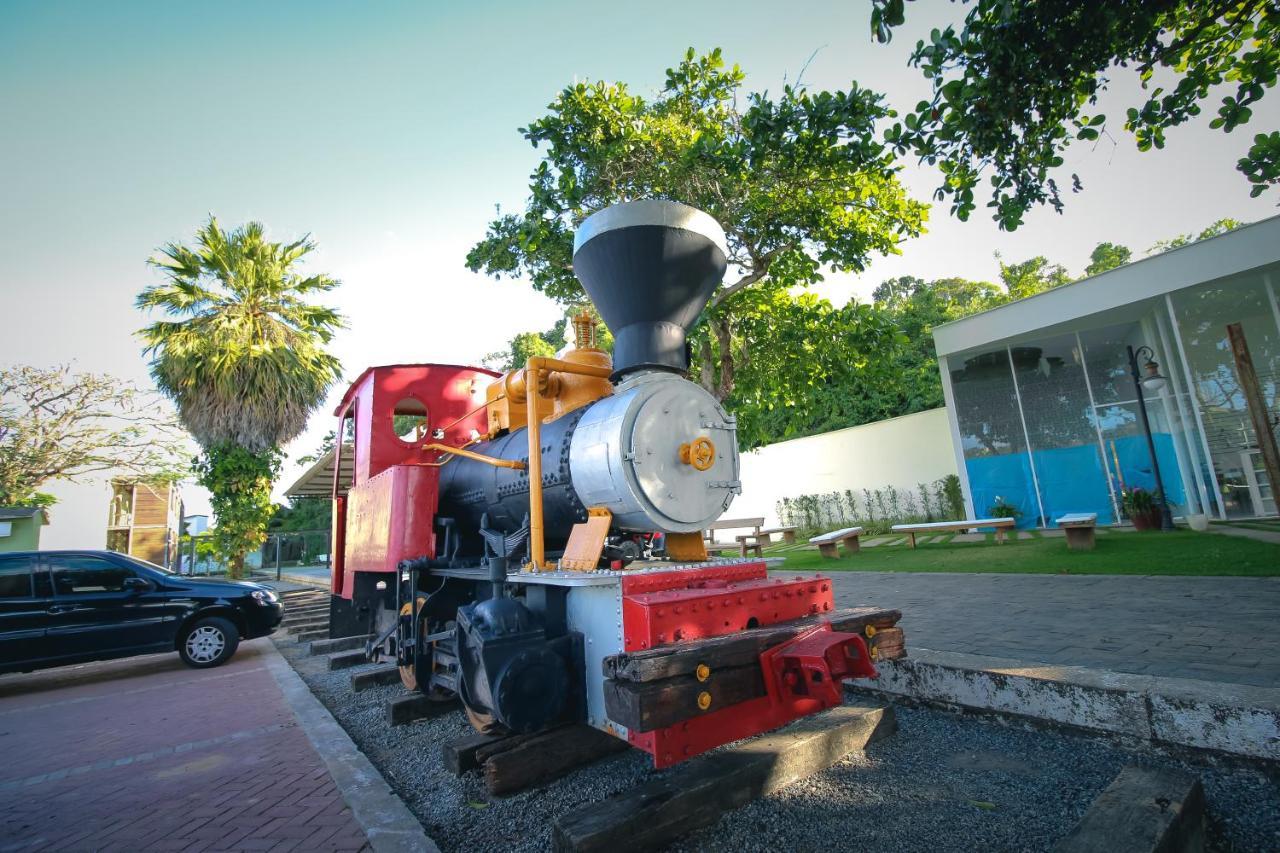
x=601 y=577
x=699 y=791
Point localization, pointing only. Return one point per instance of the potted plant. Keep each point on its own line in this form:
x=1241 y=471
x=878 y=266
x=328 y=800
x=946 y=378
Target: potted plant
x=1142 y=507
x=1003 y=509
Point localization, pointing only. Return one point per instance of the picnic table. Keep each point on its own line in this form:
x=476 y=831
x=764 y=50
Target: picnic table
x=753 y=541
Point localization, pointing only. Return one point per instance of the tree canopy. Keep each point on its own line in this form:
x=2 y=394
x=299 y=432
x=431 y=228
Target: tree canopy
x=59 y=425
x=1107 y=256
x=243 y=353
x=799 y=182
x=1222 y=226
x=1016 y=84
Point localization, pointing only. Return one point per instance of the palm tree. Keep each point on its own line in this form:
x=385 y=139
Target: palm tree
x=242 y=354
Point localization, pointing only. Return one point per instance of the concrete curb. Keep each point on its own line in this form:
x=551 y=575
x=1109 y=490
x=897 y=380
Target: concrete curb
x=1236 y=719
x=386 y=821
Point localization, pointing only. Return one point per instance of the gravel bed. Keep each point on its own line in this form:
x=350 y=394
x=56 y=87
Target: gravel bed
x=944 y=782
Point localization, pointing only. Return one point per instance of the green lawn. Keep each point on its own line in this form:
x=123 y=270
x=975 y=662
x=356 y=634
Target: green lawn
x=1181 y=552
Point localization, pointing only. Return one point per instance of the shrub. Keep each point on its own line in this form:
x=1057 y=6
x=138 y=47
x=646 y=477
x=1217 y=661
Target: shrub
x=877 y=511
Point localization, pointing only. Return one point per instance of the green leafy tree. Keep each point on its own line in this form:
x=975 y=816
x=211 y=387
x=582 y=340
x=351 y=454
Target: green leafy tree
x=59 y=425
x=305 y=513
x=1016 y=85
x=798 y=182
x=1032 y=276
x=1222 y=226
x=915 y=307
x=242 y=352
x=548 y=343
x=808 y=367
x=1107 y=256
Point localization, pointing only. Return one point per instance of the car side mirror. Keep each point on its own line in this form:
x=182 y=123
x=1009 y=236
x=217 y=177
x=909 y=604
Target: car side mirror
x=137 y=584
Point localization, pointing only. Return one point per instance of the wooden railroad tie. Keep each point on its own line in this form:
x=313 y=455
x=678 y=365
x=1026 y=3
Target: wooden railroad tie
x=415 y=706
x=341 y=644
x=345 y=660
x=363 y=680
x=512 y=763
x=1144 y=808
x=697 y=793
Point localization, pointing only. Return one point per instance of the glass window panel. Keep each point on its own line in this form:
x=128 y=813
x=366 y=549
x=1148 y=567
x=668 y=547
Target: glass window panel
x=15 y=577
x=991 y=435
x=74 y=575
x=1203 y=314
x=1127 y=460
x=1064 y=440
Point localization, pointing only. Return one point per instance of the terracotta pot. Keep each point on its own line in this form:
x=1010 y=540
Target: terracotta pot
x=1148 y=520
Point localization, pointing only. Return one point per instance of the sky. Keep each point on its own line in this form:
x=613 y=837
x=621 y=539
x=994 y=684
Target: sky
x=389 y=132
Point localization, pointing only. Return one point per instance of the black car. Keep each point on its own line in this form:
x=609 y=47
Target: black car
x=63 y=607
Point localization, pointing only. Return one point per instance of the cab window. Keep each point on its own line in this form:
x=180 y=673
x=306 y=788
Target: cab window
x=77 y=575
x=15 y=577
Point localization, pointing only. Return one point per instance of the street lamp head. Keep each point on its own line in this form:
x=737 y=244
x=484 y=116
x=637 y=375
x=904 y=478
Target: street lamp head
x=1153 y=381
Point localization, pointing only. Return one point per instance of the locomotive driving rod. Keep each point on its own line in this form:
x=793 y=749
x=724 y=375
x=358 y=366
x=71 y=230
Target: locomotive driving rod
x=532 y=373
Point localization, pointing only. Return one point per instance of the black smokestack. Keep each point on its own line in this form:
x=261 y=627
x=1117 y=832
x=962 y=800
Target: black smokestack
x=649 y=267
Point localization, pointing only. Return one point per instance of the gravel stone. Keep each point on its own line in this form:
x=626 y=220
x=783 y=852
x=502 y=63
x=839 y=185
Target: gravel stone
x=943 y=782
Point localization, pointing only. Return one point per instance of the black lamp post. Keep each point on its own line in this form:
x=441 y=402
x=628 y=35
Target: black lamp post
x=1153 y=382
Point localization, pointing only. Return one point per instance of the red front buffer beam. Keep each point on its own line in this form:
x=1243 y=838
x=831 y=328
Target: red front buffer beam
x=804 y=673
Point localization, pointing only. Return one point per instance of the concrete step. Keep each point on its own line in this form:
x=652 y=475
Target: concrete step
x=309 y=635
x=306 y=623
x=307 y=609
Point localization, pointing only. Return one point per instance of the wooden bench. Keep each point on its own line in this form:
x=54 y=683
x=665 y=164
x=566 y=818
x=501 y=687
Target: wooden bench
x=788 y=534
x=1080 y=528
x=827 y=542
x=752 y=541
x=1000 y=524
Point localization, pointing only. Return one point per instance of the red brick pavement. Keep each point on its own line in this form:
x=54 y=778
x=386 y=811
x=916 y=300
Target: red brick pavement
x=145 y=754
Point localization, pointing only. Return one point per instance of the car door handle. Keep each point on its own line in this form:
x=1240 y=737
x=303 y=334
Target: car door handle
x=62 y=608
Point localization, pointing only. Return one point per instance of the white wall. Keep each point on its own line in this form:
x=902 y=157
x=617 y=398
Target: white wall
x=79 y=518
x=900 y=452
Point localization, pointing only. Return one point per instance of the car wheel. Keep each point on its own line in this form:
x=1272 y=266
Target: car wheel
x=209 y=642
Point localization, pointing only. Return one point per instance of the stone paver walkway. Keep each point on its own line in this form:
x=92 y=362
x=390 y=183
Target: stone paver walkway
x=1217 y=629
x=1271 y=536
x=145 y=754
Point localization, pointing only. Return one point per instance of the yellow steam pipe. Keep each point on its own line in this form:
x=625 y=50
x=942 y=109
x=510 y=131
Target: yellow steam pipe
x=532 y=373
x=471 y=454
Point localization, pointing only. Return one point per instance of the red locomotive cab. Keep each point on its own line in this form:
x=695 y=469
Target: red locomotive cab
x=392 y=420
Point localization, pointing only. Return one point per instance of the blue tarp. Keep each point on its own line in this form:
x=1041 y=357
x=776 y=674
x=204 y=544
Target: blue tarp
x=1072 y=479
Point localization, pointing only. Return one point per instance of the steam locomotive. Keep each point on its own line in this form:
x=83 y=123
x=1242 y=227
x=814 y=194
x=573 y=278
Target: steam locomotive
x=498 y=550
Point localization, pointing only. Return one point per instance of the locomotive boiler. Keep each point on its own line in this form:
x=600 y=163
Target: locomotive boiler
x=508 y=538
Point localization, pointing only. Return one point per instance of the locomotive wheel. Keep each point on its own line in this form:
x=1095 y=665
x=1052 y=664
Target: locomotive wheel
x=483 y=723
x=408 y=677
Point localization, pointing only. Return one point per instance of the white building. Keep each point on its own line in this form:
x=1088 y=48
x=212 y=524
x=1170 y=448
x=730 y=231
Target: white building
x=1042 y=405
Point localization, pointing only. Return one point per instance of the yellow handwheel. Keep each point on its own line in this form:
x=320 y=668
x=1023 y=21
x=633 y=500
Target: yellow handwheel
x=700 y=453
